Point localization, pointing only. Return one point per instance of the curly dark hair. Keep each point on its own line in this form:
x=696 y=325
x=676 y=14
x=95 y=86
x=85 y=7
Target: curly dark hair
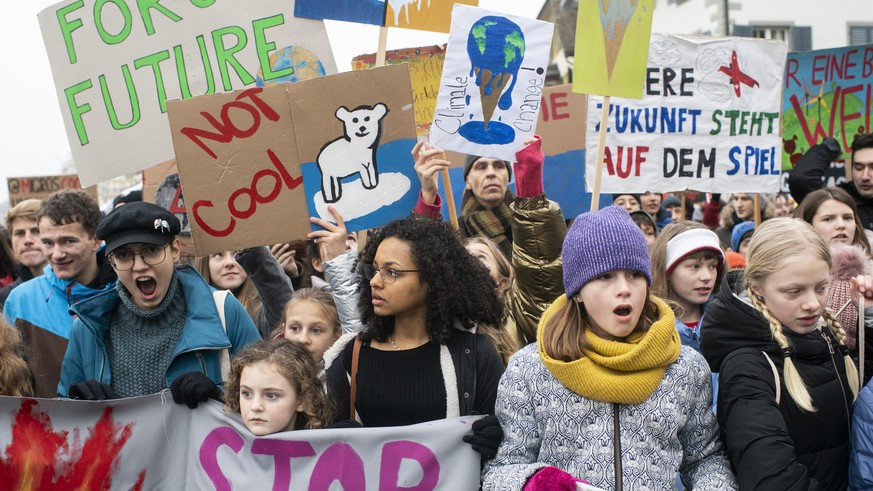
x=294 y=362
x=460 y=288
x=71 y=206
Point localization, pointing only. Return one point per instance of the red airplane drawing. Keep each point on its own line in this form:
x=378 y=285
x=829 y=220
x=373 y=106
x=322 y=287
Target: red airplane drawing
x=737 y=76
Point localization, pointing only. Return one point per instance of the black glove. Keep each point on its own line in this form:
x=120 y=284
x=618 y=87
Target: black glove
x=192 y=388
x=92 y=390
x=833 y=147
x=344 y=423
x=486 y=437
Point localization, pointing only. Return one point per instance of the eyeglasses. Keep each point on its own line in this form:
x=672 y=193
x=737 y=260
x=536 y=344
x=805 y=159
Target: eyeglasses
x=123 y=259
x=389 y=275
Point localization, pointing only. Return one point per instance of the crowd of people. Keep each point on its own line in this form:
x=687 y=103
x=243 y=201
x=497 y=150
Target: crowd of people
x=664 y=341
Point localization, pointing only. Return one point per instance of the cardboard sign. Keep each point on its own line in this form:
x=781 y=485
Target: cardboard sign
x=237 y=157
x=424 y=15
x=708 y=121
x=355 y=132
x=562 y=128
x=492 y=81
x=162 y=185
x=240 y=157
x=429 y=15
x=615 y=35
x=360 y=11
x=151 y=443
x=425 y=68
x=828 y=93
x=40 y=187
x=115 y=65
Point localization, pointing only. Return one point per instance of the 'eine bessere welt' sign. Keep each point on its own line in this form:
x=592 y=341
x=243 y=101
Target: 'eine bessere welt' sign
x=116 y=63
x=708 y=120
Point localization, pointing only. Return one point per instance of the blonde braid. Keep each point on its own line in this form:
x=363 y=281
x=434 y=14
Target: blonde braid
x=840 y=334
x=796 y=388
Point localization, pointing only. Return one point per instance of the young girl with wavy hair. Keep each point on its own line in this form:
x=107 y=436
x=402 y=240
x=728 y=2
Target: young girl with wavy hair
x=608 y=394
x=787 y=383
x=274 y=386
x=15 y=378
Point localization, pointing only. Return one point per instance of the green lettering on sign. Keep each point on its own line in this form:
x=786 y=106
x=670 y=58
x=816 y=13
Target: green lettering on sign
x=76 y=111
x=67 y=27
x=264 y=47
x=154 y=61
x=98 y=21
x=145 y=8
x=224 y=56
x=110 y=107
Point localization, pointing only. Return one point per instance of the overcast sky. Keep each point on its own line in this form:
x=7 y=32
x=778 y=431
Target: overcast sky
x=32 y=135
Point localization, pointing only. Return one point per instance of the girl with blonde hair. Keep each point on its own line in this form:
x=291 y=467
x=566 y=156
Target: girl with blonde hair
x=274 y=386
x=311 y=319
x=787 y=383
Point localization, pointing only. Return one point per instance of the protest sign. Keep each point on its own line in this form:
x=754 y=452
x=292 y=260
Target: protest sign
x=355 y=132
x=828 y=93
x=425 y=67
x=115 y=65
x=237 y=157
x=151 y=443
x=240 y=157
x=561 y=125
x=708 y=119
x=615 y=35
x=162 y=185
x=492 y=81
x=40 y=187
x=360 y=11
x=429 y=15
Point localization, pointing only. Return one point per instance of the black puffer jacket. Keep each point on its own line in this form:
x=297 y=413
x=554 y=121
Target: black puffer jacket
x=777 y=446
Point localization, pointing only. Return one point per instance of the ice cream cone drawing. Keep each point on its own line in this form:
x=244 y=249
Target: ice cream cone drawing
x=496 y=48
x=615 y=15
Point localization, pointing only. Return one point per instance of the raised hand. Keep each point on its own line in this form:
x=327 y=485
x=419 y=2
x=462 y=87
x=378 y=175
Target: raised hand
x=428 y=167
x=333 y=240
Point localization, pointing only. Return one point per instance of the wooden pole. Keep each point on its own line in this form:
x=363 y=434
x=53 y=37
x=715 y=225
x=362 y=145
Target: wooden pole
x=682 y=206
x=757 y=210
x=601 y=146
x=450 y=197
x=383 y=42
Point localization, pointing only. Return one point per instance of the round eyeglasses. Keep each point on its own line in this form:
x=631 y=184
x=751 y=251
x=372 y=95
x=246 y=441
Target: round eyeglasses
x=389 y=275
x=123 y=259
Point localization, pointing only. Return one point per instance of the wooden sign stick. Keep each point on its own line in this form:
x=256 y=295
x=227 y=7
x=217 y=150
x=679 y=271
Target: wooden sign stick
x=450 y=196
x=383 y=42
x=757 y=204
x=601 y=144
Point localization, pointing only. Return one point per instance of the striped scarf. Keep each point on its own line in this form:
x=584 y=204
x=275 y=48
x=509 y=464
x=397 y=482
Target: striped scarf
x=495 y=224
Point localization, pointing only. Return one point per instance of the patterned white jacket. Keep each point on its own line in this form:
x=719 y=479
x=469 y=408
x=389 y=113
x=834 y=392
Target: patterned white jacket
x=546 y=424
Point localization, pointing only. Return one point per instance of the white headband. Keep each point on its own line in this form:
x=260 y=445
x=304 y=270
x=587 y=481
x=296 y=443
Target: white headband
x=691 y=241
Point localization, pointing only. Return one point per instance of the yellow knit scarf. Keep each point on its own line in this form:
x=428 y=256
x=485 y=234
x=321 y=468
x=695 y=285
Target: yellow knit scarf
x=626 y=372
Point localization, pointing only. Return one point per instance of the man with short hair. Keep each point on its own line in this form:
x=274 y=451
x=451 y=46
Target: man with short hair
x=78 y=270
x=807 y=174
x=21 y=222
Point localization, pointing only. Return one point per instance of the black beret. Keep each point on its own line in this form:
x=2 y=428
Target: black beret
x=138 y=223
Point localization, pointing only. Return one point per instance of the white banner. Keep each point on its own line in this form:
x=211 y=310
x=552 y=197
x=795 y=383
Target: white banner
x=709 y=120
x=151 y=443
x=116 y=63
x=492 y=82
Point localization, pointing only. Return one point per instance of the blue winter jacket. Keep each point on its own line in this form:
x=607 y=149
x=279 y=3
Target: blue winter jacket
x=691 y=338
x=40 y=309
x=198 y=349
x=861 y=458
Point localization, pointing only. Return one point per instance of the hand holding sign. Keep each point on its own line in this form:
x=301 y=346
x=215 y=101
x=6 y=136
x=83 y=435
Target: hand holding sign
x=428 y=164
x=333 y=238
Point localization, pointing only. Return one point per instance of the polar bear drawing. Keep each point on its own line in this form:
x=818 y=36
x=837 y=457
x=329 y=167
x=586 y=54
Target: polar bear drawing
x=354 y=152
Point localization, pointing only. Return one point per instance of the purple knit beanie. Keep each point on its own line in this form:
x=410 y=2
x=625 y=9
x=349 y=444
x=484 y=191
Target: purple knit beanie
x=603 y=241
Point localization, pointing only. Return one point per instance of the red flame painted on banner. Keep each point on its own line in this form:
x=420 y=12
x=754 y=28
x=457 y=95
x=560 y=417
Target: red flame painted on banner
x=39 y=458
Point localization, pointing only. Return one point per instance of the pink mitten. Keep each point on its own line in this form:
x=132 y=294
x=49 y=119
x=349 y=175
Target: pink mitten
x=551 y=479
x=529 y=170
